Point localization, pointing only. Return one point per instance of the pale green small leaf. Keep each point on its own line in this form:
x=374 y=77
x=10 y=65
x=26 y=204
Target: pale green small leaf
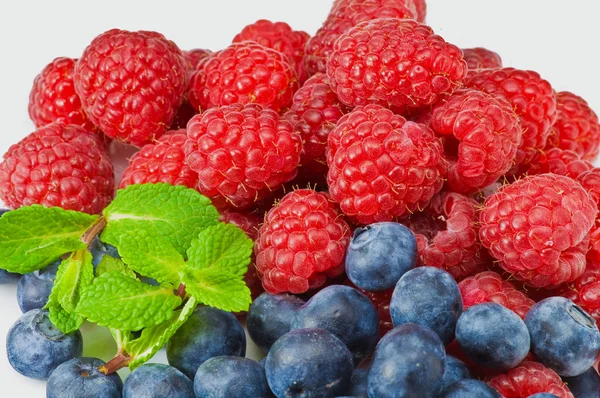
x=121 y=302
x=64 y=321
x=108 y=264
x=223 y=246
x=32 y=237
x=74 y=275
x=216 y=288
x=121 y=337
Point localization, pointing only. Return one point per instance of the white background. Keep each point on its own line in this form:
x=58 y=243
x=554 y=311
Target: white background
x=558 y=39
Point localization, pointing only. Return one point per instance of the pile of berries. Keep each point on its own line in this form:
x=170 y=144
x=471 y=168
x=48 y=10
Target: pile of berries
x=425 y=220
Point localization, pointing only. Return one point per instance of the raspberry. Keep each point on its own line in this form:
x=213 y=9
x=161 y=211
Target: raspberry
x=242 y=153
x=532 y=98
x=57 y=165
x=482 y=58
x=576 y=127
x=162 y=161
x=381 y=166
x=243 y=73
x=446 y=235
x=530 y=378
x=559 y=161
x=538 y=227
x=481 y=135
x=193 y=57
x=585 y=292
x=421 y=7
x=131 y=84
x=314 y=113
x=53 y=97
x=278 y=36
x=489 y=287
x=302 y=240
x=184 y=114
x=394 y=62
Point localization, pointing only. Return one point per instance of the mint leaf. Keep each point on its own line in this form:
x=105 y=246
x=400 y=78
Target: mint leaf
x=64 y=321
x=175 y=213
x=121 y=302
x=108 y=264
x=74 y=275
x=32 y=237
x=223 y=246
x=217 y=288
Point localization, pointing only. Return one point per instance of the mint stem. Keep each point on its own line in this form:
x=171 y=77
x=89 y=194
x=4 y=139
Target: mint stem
x=181 y=291
x=121 y=360
x=94 y=230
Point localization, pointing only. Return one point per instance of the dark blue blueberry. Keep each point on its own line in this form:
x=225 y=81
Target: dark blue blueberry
x=154 y=380
x=379 y=254
x=99 y=249
x=586 y=385
x=34 y=288
x=35 y=347
x=2 y=211
x=270 y=316
x=493 y=336
x=358 y=384
x=8 y=277
x=409 y=361
x=345 y=312
x=309 y=363
x=263 y=362
x=563 y=336
x=470 y=388
x=149 y=281
x=226 y=376
x=80 y=378
x=430 y=297
x=543 y=395
x=208 y=333
x=456 y=370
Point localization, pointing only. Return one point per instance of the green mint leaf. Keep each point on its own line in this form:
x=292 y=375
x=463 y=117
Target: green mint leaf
x=108 y=264
x=217 y=288
x=74 y=275
x=153 y=339
x=223 y=246
x=175 y=213
x=121 y=302
x=32 y=237
x=64 y=321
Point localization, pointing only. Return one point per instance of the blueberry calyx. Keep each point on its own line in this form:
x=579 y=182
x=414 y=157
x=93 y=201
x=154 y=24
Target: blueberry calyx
x=580 y=316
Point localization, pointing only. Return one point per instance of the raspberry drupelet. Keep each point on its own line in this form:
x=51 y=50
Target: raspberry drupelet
x=482 y=58
x=193 y=57
x=559 y=161
x=530 y=378
x=585 y=292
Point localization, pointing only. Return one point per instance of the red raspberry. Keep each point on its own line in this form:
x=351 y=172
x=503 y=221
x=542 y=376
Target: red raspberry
x=184 y=114
x=559 y=161
x=57 y=165
x=302 y=240
x=421 y=10
x=162 y=161
x=314 y=113
x=530 y=378
x=585 y=292
x=193 y=57
x=381 y=166
x=242 y=153
x=482 y=58
x=131 y=84
x=576 y=127
x=538 y=228
x=532 y=98
x=394 y=62
x=53 y=97
x=446 y=235
x=590 y=180
x=481 y=134
x=243 y=73
x=278 y=36
x=489 y=287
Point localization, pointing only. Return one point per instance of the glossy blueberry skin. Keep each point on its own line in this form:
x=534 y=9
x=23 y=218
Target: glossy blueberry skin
x=208 y=333
x=226 y=376
x=586 y=385
x=456 y=370
x=470 y=388
x=563 y=336
x=34 y=289
x=35 y=347
x=270 y=316
x=99 y=249
x=80 y=378
x=345 y=312
x=409 y=361
x=379 y=254
x=8 y=277
x=543 y=395
x=430 y=297
x=358 y=384
x=153 y=380
x=493 y=336
x=309 y=363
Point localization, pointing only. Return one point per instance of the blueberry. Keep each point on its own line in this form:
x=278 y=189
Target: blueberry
x=470 y=388
x=455 y=371
x=2 y=211
x=154 y=380
x=493 y=336
x=263 y=362
x=358 y=384
x=34 y=288
x=563 y=336
x=586 y=385
x=542 y=395
x=270 y=317
x=99 y=249
x=35 y=347
x=345 y=312
x=309 y=363
x=80 y=378
x=430 y=297
x=408 y=362
x=379 y=254
x=226 y=376
x=208 y=333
